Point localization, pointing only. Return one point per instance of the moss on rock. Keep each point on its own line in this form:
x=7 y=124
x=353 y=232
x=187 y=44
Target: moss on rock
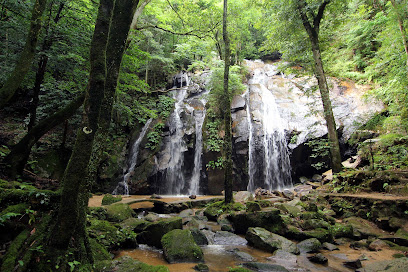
x=153 y=232
x=179 y=246
x=270 y=220
x=13 y=252
x=110 y=199
x=118 y=212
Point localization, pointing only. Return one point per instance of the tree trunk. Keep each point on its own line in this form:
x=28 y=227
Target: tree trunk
x=111 y=31
x=24 y=63
x=18 y=156
x=227 y=111
x=328 y=111
x=312 y=29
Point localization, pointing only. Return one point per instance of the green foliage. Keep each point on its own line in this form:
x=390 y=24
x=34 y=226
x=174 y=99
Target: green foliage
x=218 y=164
x=320 y=149
x=154 y=137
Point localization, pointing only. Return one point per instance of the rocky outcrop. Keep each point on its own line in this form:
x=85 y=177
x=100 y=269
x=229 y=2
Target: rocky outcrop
x=263 y=239
x=270 y=220
x=179 y=246
x=152 y=233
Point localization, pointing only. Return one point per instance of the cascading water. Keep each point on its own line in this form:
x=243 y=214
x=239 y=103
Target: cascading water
x=122 y=187
x=195 y=178
x=269 y=163
x=175 y=179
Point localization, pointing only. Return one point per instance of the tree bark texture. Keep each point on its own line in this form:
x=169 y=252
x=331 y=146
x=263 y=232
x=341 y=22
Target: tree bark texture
x=111 y=31
x=24 y=63
x=402 y=28
x=312 y=29
x=227 y=111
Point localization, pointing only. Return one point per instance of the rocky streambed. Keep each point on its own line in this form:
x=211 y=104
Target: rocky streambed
x=298 y=230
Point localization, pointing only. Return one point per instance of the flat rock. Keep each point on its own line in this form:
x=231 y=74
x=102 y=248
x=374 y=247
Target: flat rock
x=309 y=245
x=396 y=265
x=329 y=246
x=318 y=258
x=365 y=227
x=261 y=267
x=228 y=238
x=263 y=239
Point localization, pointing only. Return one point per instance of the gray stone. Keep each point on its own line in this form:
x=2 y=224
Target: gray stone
x=378 y=245
x=318 y=258
x=263 y=239
x=396 y=265
x=309 y=245
x=329 y=246
x=243 y=196
x=238 y=103
x=228 y=238
x=241 y=255
x=262 y=267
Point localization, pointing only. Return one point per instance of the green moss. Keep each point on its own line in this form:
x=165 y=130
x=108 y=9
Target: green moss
x=110 y=199
x=13 y=252
x=339 y=230
x=97 y=213
x=253 y=206
x=179 y=246
x=118 y=212
x=109 y=235
x=127 y=264
x=18 y=208
x=239 y=269
x=217 y=208
x=99 y=252
x=153 y=232
x=320 y=234
x=135 y=224
x=264 y=203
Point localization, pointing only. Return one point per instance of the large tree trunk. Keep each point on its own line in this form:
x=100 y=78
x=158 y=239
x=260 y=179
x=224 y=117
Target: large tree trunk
x=402 y=29
x=111 y=30
x=312 y=27
x=227 y=112
x=24 y=63
x=18 y=156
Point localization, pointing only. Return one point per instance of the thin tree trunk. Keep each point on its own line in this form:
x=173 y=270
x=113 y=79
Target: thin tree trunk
x=312 y=29
x=24 y=63
x=227 y=111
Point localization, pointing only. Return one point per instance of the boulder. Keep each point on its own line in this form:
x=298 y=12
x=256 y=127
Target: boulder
x=340 y=230
x=329 y=246
x=294 y=211
x=238 y=103
x=243 y=196
x=228 y=238
x=179 y=246
x=270 y=220
x=378 y=245
x=263 y=239
x=118 y=212
x=135 y=224
x=365 y=227
x=318 y=258
x=396 y=265
x=355 y=264
x=322 y=235
x=201 y=267
x=309 y=245
x=153 y=232
x=128 y=264
x=241 y=255
x=253 y=206
x=256 y=266
x=199 y=237
x=286 y=259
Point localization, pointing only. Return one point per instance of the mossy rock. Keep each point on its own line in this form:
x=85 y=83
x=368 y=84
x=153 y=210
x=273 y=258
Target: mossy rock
x=153 y=232
x=239 y=269
x=127 y=264
x=290 y=209
x=365 y=227
x=99 y=251
x=214 y=210
x=270 y=220
x=311 y=224
x=201 y=267
x=309 y=245
x=135 y=224
x=18 y=209
x=110 y=235
x=97 y=213
x=110 y=199
x=263 y=239
x=340 y=230
x=256 y=266
x=118 y=212
x=179 y=246
x=322 y=235
x=252 y=206
x=9 y=260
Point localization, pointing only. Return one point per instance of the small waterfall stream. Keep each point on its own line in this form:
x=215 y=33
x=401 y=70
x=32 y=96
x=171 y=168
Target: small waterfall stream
x=122 y=188
x=175 y=179
x=269 y=163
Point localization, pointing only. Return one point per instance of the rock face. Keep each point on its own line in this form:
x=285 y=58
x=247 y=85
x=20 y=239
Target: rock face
x=179 y=246
x=152 y=233
x=173 y=167
x=263 y=239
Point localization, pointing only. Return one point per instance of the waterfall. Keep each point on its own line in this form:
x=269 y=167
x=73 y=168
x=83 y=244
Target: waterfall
x=268 y=163
x=122 y=187
x=195 y=178
x=174 y=175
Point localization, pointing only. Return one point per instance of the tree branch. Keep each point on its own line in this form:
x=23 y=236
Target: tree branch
x=319 y=16
x=188 y=33
x=178 y=15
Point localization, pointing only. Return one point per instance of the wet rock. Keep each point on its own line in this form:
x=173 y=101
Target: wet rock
x=317 y=178
x=199 y=237
x=195 y=224
x=186 y=213
x=238 y=103
x=243 y=196
x=228 y=238
x=153 y=233
x=342 y=241
x=340 y=230
x=318 y=258
x=311 y=224
x=118 y=212
x=253 y=206
x=241 y=255
x=396 y=265
x=270 y=220
x=322 y=235
x=226 y=227
x=355 y=264
x=309 y=245
x=152 y=217
x=288 y=194
x=135 y=224
x=359 y=244
x=209 y=235
x=192 y=196
x=256 y=266
x=378 y=245
x=303 y=180
x=329 y=246
x=179 y=246
x=294 y=211
x=365 y=227
x=201 y=267
x=286 y=259
x=263 y=239
x=128 y=264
